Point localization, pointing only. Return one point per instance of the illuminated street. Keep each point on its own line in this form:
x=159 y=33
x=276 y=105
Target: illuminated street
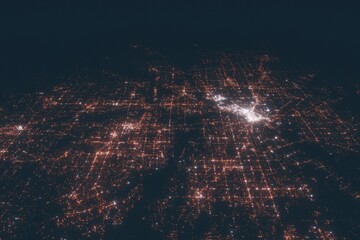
x=238 y=146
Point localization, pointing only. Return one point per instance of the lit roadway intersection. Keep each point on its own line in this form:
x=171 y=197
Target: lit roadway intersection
x=235 y=147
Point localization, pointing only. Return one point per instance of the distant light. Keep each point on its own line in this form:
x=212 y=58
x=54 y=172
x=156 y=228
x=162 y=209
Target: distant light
x=20 y=128
x=218 y=98
x=248 y=113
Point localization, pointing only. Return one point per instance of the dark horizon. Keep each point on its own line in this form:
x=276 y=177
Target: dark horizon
x=41 y=38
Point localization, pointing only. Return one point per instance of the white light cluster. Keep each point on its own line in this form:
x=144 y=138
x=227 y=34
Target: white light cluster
x=218 y=98
x=248 y=113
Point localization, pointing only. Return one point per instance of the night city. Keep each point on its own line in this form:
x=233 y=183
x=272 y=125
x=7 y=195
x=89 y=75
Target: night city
x=174 y=120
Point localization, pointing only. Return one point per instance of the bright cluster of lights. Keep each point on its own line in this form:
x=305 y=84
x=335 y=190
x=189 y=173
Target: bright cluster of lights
x=218 y=98
x=248 y=113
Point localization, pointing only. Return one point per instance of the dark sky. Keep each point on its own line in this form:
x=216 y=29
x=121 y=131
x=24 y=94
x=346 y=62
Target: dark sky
x=37 y=32
x=322 y=21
